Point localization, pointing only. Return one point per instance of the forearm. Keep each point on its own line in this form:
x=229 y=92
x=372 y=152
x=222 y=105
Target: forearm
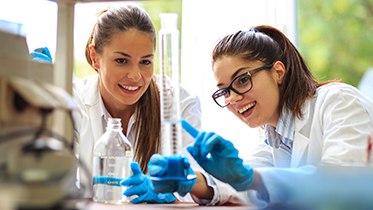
x=201 y=189
x=258 y=184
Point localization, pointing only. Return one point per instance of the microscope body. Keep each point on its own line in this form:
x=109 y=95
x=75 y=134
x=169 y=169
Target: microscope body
x=37 y=163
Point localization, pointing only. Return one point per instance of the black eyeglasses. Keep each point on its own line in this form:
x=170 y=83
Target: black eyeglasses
x=240 y=85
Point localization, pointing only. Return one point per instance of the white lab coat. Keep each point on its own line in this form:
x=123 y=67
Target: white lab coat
x=334 y=130
x=89 y=129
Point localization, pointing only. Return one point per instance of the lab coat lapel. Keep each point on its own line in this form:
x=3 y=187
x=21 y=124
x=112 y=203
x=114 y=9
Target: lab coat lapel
x=92 y=132
x=93 y=106
x=96 y=122
x=301 y=137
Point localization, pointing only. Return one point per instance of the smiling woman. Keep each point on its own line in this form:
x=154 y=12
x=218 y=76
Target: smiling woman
x=121 y=50
x=134 y=60
x=307 y=125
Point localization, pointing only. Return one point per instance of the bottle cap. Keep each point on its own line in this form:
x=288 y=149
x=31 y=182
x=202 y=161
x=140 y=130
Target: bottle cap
x=168 y=20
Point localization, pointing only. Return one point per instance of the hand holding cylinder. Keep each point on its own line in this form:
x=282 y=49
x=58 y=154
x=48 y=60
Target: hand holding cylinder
x=171 y=174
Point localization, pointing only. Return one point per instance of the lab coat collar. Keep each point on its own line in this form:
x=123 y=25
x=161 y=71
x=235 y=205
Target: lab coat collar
x=105 y=115
x=300 y=123
x=301 y=138
x=91 y=87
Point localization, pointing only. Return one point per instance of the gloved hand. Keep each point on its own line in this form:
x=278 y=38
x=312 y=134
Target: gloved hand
x=223 y=163
x=141 y=187
x=41 y=54
x=158 y=167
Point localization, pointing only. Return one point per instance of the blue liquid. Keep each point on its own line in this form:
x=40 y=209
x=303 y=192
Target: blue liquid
x=112 y=166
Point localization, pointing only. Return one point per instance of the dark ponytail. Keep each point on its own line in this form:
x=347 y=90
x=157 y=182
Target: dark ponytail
x=298 y=82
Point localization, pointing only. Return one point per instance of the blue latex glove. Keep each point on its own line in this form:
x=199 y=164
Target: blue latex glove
x=41 y=54
x=223 y=163
x=158 y=168
x=141 y=187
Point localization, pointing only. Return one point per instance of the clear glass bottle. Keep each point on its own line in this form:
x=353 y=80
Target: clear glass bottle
x=112 y=159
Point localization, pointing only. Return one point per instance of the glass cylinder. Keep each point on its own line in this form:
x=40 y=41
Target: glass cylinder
x=170 y=99
x=113 y=155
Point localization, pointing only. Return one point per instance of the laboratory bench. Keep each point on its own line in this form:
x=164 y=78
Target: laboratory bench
x=173 y=205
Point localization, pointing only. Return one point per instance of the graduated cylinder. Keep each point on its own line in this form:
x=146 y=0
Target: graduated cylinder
x=170 y=98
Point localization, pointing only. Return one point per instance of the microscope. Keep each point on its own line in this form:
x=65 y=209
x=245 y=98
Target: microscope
x=38 y=165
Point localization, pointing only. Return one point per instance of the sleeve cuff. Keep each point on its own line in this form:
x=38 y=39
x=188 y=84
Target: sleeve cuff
x=207 y=202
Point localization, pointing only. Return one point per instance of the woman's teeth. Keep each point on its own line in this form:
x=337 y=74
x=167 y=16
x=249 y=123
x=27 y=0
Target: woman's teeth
x=246 y=108
x=129 y=87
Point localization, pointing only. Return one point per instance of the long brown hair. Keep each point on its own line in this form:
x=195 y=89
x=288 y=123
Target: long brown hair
x=121 y=19
x=268 y=45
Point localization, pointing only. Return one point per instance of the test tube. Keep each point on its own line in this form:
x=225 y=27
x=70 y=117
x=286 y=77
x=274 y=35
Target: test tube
x=169 y=98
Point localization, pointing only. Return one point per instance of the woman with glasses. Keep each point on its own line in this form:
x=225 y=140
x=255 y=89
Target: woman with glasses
x=263 y=80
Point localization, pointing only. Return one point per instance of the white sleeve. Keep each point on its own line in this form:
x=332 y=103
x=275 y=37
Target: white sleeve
x=223 y=193
x=282 y=185
x=346 y=123
x=190 y=111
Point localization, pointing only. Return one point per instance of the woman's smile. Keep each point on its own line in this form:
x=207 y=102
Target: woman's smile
x=246 y=107
x=130 y=89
